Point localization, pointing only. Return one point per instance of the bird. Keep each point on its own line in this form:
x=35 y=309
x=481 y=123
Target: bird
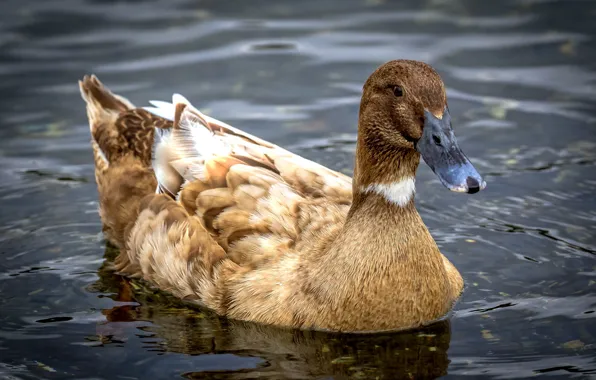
x=231 y=222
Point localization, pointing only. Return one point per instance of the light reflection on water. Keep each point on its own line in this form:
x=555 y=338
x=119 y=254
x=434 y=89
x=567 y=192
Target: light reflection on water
x=522 y=89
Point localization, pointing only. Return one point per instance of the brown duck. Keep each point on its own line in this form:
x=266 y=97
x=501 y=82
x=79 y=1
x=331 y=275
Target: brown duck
x=229 y=221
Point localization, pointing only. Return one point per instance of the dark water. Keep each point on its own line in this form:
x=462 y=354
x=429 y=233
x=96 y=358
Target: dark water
x=522 y=88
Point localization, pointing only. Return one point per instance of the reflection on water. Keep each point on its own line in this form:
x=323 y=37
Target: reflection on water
x=277 y=353
x=521 y=82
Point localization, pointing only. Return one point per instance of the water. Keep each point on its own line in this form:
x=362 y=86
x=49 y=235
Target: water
x=521 y=82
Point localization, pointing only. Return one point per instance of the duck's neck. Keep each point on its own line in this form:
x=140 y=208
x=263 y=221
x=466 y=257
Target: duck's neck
x=385 y=171
x=383 y=215
x=383 y=218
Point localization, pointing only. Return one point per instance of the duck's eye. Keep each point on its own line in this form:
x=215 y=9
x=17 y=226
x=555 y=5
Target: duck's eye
x=397 y=91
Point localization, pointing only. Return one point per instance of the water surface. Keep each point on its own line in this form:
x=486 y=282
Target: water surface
x=521 y=78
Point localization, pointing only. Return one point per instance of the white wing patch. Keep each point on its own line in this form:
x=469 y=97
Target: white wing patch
x=193 y=137
x=162 y=109
x=185 y=152
x=180 y=153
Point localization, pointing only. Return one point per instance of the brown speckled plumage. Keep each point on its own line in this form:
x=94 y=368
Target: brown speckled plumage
x=263 y=235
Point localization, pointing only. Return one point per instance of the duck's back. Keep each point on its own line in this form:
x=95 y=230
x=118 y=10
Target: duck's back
x=257 y=200
x=178 y=187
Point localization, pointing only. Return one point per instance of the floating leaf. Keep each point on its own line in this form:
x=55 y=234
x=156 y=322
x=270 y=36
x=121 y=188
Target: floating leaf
x=344 y=360
x=486 y=334
x=358 y=374
x=45 y=367
x=483 y=276
x=561 y=176
x=568 y=48
x=574 y=344
x=499 y=110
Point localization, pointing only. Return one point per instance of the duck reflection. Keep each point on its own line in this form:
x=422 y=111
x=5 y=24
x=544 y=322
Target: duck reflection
x=418 y=354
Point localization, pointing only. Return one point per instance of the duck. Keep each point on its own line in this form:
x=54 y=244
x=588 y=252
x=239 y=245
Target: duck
x=228 y=221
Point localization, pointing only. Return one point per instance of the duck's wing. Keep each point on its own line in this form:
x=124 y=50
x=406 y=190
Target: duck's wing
x=227 y=201
x=200 y=147
x=246 y=191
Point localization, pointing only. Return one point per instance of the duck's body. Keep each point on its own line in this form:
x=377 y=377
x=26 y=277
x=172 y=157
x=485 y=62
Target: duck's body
x=257 y=233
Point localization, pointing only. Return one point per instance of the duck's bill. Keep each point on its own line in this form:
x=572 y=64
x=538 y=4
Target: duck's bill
x=440 y=151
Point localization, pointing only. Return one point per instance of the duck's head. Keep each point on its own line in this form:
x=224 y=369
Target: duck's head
x=404 y=115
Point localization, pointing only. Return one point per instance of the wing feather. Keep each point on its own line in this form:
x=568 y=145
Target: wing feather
x=247 y=192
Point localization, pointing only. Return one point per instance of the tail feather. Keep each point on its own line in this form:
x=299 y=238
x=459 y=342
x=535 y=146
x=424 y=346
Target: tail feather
x=99 y=98
x=122 y=140
x=117 y=127
x=103 y=110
